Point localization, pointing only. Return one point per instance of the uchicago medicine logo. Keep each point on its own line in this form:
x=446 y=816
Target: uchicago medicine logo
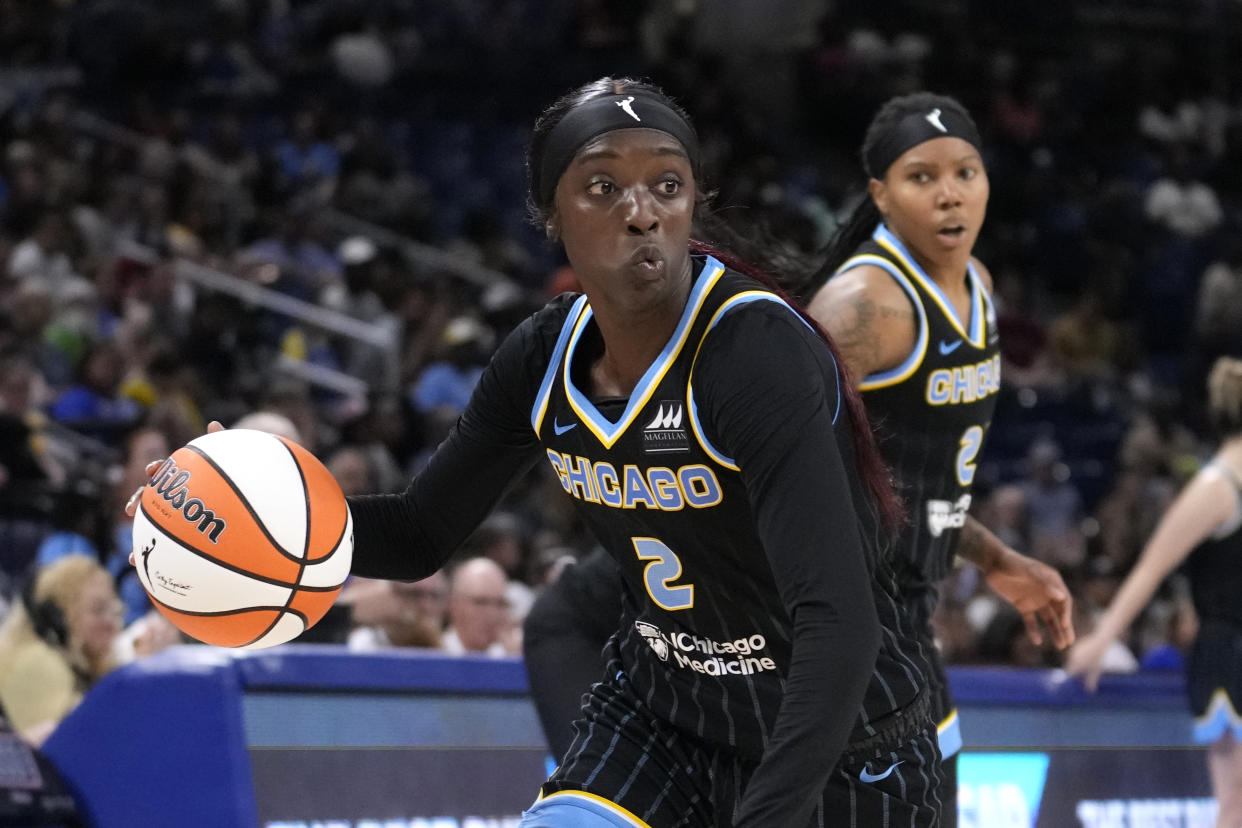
x=740 y=657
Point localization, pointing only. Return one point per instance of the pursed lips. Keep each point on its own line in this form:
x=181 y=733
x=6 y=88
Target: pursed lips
x=647 y=256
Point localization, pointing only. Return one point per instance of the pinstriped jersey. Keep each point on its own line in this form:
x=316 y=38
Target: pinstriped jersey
x=932 y=412
x=705 y=638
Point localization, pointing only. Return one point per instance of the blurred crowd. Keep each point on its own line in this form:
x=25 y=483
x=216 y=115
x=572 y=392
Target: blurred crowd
x=311 y=213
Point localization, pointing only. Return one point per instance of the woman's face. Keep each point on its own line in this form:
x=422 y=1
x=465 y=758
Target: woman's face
x=95 y=616
x=934 y=198
x=623 y=209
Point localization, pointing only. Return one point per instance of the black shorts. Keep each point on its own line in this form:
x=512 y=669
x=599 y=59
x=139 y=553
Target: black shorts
x=1214 y=681
x=668 y=779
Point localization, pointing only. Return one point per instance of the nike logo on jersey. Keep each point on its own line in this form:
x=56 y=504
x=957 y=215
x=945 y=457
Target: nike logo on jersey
x=561 y=429
x=869 y=777
x=947 y=348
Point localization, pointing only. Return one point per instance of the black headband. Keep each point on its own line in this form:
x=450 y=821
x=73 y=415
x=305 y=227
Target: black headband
x=913 y=129
x=600 y=115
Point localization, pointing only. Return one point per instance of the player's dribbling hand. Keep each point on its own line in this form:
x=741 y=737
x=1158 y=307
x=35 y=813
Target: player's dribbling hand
x=131 y=506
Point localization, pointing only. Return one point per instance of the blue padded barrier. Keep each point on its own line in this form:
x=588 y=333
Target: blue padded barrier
x=314 y=736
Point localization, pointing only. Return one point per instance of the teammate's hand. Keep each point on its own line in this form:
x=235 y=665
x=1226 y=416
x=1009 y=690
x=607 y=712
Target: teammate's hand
x=1085 y=659
x=131 y=506
x=1037 y=591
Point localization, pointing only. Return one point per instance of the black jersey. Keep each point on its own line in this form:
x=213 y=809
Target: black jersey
x=651 y=462
x=1212 y=566
x=720 y=488
x=932 y=411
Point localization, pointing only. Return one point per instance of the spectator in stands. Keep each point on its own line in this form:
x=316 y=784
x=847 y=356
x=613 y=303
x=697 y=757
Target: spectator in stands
x=1086 y=347
x=447 y=383
x=272 y=422
x=1180 y=202
x=93 y=406
x=26 y=453
x=167 y=388
x=293 y=259
x=385 y=431
x=29 y=312
x=352 y=469
x=1004 y=513
x=286 y=409
x=79 y=523
x=44 y=253
x=78 y=322
x=1218 y=311
x=396 y=614
x=229 y=169
x=1004 y=641
x=1141 y=492
x=56 y=643
x=1168 y=630
x=478 y=611
x=502 y=538
x=305 y=162
x=1053 y=506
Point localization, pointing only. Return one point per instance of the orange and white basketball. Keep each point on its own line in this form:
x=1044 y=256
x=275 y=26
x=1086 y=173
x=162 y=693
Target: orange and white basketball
x=242 y=539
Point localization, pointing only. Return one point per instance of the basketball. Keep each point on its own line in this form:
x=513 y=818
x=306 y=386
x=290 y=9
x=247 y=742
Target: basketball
x=242 y=539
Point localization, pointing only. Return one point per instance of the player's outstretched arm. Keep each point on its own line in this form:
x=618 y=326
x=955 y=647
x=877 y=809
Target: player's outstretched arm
x=1203 y=504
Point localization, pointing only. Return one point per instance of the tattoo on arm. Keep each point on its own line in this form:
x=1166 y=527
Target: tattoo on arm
x=859 y=338
x=856 y=340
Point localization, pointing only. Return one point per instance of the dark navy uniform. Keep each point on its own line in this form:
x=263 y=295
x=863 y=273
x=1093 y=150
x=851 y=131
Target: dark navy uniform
x=1214 y=669
x=703 y=486
x=932 y=414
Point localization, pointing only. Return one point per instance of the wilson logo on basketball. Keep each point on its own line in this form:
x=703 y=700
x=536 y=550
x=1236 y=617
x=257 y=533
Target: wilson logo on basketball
x=170 y=483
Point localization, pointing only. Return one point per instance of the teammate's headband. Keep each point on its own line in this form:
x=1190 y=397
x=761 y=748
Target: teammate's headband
x=600 y=115
x=915 y=128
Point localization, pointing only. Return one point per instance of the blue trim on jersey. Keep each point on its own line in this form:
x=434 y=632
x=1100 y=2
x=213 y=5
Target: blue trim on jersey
x=949 y=732
x=608 y=432
x=883 y=379
x=740 y=299
x=540 y=407
x=578 y=809
x=885 y=238
x=706 y=445
x=1219 y=719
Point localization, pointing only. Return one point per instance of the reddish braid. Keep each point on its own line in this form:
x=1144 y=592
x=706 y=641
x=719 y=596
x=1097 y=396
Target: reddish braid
x=875 y=472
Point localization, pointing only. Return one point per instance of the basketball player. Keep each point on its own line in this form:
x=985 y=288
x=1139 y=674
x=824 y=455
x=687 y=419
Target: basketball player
x=910 y=310
x=709 y=440
x=763 y=672
x=1204 y=528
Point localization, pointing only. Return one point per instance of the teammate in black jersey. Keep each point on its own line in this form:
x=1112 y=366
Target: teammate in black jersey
x=1203 y=527
x=911 y=313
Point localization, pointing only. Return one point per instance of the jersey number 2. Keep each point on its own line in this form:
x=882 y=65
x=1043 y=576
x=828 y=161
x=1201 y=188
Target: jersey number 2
x=972 y=439
x=665 y=567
